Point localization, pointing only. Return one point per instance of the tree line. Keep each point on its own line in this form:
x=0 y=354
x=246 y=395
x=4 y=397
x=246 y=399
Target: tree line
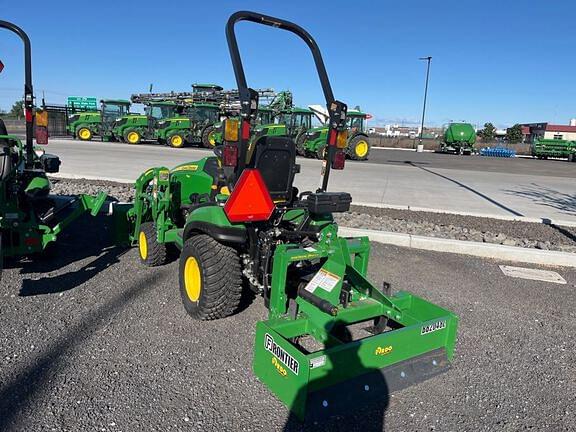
x=513 y=134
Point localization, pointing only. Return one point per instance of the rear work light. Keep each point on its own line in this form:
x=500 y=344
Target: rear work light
x=230 y=155
x=339 y=160
x=250 y=200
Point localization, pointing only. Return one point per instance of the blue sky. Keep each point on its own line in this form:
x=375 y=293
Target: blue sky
x=504 y=62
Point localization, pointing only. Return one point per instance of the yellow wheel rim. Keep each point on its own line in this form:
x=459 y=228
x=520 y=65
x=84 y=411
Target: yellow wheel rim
x=361 y=149
x=211 y=139
x=192 y=279
x=84 y=133
x=143 y=245
x=133 y=137
x=176 y=141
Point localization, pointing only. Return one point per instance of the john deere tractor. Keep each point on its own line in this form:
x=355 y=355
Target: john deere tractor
x=30 y=218
x=133 y=128
x=193 y=126
x=332 y=340
x=86 y=125
x=267 y=115
x=313 y=144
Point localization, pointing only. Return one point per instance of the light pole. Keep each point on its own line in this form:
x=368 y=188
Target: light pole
x=425 y=95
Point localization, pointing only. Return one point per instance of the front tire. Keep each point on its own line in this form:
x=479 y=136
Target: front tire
x=152 y=253
x=176 y=141
x=132 y=136
x=84 y=134
x=210 y=278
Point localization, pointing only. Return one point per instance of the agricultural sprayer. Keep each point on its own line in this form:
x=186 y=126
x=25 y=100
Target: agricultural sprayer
x=332 y=339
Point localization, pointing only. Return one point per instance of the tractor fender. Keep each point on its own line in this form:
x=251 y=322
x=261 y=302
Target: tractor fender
x=222 y=234
x=212 y=220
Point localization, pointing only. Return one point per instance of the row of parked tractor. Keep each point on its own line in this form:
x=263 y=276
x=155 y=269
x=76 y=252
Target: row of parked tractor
x=195 y=118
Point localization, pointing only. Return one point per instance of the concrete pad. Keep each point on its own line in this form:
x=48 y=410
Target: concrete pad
x=532 y=274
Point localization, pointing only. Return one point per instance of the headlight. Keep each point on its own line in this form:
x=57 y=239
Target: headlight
x=312 y=135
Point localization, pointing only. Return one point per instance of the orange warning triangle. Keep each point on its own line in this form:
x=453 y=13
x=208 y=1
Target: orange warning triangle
x=250 y=200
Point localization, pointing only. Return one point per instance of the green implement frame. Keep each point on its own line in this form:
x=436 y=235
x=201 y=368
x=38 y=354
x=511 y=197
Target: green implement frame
x=545 y=148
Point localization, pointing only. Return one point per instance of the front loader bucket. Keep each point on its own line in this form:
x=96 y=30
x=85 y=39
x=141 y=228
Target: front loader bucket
x=341 y=376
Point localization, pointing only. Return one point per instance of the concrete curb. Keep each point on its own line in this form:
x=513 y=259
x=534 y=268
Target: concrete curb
x=483 y=250
x=546 y=221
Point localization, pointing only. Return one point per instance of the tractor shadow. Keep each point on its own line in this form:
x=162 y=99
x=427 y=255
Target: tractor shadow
x=468 y=188
x=19 y=393
x=547 y=197
x=82 y=251
x=358 y=403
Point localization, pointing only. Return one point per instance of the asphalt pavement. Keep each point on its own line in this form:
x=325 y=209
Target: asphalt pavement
x=92 y=340
x=485 y=186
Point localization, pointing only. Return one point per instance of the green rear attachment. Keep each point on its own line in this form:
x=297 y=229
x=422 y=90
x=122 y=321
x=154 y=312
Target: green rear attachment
x=337 y=331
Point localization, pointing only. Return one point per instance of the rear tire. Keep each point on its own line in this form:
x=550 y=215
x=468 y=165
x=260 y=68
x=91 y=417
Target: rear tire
x=151 y=252
x=210 y=278
x=300 y=141
x=358 y=148
x=207 y=141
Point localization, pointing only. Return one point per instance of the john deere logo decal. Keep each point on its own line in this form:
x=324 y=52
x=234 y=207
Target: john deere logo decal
x=276 y=350
x=438 y=325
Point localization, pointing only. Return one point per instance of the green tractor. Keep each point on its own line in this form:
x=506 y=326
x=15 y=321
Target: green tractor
x=459 y=138
x=332 y=340
x=356 y=147
x=30 y=218
x=265 y=116
x=193 y=126
x=134 y=128
x=86 y=125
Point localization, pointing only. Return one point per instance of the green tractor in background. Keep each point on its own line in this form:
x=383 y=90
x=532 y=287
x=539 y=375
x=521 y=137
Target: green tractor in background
x=357 y=146
x=459 y=138
x=193 y=126
x=265 y=116
x=133 y=128
x=30 y=218
x=333 y=341
x=86 y=125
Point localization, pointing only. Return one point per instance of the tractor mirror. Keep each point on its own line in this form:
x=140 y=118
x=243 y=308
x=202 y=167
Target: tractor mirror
x=231 y=128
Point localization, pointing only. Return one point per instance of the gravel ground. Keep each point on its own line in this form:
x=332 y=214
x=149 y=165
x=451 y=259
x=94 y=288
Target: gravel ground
x=511 y=233
x=92 y=340
x=450 y=226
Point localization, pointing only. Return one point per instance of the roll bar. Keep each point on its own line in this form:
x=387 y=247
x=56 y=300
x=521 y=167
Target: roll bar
x=28 y=92
x=249 y=101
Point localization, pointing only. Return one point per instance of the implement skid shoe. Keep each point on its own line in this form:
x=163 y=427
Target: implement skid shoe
x=344 y=369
